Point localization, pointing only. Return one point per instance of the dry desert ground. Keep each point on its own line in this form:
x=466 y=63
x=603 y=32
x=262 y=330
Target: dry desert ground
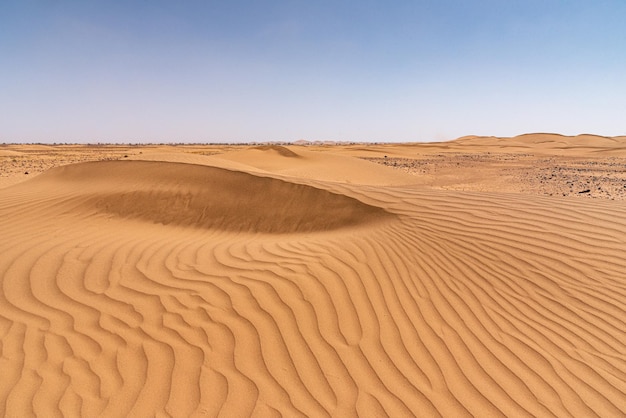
x=480 y=277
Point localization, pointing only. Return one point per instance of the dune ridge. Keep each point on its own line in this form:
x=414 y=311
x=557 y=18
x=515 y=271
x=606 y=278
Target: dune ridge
x=209 y=197
x=546 y=143
x=458 y=304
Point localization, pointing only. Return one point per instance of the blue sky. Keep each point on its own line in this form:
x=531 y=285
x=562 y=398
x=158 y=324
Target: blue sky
x=199 y=71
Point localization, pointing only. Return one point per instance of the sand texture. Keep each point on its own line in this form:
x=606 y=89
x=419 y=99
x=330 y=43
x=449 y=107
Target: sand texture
x=293 y=281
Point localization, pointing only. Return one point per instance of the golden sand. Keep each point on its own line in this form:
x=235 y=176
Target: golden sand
x=314 y=281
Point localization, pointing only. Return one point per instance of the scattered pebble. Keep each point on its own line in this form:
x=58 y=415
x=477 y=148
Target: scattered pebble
x=518 y=173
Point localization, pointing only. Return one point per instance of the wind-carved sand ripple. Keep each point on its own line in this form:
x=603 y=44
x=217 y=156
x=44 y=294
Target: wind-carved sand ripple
x=329 y=300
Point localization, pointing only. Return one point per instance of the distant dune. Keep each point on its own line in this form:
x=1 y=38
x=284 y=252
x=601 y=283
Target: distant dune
x=284 y=281
x=548 y=143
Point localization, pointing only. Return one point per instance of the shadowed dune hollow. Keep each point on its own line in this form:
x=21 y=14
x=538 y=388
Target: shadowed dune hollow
x=283 y=151
x=209 y=197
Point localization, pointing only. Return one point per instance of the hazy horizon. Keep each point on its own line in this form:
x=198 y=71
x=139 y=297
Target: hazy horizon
x=89 y=71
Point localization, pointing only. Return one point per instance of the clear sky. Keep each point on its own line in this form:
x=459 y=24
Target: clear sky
x=224 y=70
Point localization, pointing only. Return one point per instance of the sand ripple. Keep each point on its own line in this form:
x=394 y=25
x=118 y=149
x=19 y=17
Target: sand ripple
x=382 y=301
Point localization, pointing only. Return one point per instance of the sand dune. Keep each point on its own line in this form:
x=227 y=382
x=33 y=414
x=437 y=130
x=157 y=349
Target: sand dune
x=327 y=166
x=547 y=143
x=164 y=288
x=205 y=197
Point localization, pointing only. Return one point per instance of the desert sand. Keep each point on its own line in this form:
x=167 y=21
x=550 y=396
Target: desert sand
x=479 y=277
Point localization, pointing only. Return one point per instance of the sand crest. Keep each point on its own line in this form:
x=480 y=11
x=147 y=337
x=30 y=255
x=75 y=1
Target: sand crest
x=239 y=286
x=205 y=197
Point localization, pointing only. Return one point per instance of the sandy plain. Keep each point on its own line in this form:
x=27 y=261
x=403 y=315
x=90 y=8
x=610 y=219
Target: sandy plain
x=479 y=277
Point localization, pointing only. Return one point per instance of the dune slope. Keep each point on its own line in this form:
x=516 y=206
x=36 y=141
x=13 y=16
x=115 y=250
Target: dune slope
x=545 y=143
x=206 y=197
x=121 y=297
